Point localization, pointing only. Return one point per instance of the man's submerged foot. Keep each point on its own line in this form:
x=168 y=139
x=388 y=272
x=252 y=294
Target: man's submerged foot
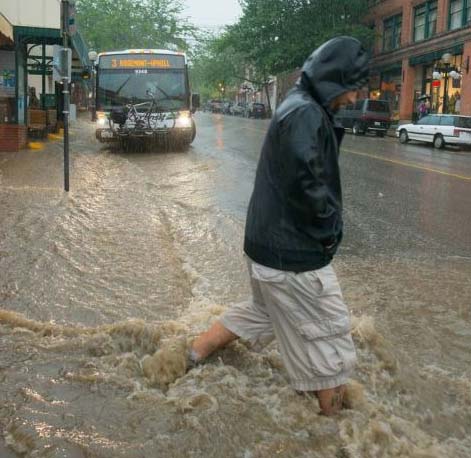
x=193 y=359
x=169 y=363
x=331 y=401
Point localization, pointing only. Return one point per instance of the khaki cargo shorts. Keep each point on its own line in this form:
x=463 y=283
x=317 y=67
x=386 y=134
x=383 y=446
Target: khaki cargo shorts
x=307 y=315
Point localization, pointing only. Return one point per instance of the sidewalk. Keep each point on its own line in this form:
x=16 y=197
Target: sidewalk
x=42 y=164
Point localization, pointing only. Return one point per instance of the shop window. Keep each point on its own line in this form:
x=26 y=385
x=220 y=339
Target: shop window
x=460 y=14
x=7 y=87
x=425 y=20
x=391 y=89
x=392 y=33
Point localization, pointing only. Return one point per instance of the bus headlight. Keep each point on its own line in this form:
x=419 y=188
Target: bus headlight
x=101 y=119
x=184 y=120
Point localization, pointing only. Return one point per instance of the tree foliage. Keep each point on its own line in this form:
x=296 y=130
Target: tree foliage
x=215 y=64
x=274 y=36
x=122 y=24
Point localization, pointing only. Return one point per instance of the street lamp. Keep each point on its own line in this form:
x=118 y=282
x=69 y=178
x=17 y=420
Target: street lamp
x=93 y=56
x=445 y=71
x=221 y=89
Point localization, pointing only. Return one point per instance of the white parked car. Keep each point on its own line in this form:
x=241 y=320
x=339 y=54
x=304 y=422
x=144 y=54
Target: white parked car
x=438 y=129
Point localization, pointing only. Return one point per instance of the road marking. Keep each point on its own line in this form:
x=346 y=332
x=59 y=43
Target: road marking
x=392 y=161
x=407 y=164
x=260 y=131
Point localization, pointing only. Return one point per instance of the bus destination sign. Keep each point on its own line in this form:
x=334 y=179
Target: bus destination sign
x=141 y=61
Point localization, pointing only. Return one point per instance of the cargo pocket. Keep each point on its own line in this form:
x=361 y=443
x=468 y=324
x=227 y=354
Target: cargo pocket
x=329 y=345
x=329 y=281
x=316 y=283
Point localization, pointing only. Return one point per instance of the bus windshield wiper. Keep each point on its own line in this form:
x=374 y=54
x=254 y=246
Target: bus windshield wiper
x=166 y=96
x=124 y=84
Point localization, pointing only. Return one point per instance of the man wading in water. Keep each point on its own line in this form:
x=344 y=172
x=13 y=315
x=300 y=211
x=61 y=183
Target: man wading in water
x=293 y=229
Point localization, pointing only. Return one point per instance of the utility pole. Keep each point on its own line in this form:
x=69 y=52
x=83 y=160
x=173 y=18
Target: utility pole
x=65 y=88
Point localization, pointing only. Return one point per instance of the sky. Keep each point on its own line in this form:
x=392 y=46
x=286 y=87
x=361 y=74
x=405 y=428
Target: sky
x=212 y=13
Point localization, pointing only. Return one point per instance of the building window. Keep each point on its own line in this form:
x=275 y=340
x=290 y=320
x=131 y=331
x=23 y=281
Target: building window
x=7 y=87
x=425 y=20
x=392 y=33
x=460 y=13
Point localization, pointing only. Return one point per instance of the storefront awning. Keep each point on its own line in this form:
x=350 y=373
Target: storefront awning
x=435 y=55
x=40 y=35
x=37 y=35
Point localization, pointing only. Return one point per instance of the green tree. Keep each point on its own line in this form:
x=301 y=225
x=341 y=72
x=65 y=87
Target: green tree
x=215 y=65
x=277 y=35
x=121 y=24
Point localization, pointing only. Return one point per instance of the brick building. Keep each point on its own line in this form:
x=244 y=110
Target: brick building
x=411 y=38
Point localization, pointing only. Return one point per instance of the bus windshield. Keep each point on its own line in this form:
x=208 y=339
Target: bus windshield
x=121 y=87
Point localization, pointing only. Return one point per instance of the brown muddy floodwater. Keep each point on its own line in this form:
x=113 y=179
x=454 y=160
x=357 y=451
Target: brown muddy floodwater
x=139 y=258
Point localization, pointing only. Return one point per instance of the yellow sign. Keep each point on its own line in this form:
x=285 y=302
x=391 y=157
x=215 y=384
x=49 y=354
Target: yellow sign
x=140 y=63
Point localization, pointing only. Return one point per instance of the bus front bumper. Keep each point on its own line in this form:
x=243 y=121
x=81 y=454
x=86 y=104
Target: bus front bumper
x=178 y=134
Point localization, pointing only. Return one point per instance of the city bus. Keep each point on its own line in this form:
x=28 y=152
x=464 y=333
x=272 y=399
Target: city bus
x=144 y=96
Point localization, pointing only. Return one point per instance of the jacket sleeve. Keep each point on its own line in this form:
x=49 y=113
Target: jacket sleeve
x=303 y=139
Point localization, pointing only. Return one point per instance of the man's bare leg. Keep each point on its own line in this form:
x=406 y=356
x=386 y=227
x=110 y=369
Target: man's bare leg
x=216 y=337
x=331 y=400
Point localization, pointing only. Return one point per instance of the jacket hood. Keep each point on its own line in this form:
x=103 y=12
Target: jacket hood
x=338 y=66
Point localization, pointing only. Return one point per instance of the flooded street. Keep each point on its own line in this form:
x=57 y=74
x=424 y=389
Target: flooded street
x=146 y=250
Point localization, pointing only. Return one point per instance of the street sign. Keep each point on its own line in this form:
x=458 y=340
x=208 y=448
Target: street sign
x=61 y=64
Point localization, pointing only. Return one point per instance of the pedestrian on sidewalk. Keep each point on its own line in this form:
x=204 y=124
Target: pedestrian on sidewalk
x=293 y=229
x=422 y=109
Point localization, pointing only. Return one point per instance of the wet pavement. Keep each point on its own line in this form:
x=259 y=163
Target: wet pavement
x=156 y=237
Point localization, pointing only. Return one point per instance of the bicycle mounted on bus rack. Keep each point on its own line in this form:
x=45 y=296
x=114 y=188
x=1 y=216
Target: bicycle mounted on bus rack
x=145 y=121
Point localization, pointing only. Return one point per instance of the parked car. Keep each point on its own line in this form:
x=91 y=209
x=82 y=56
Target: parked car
x=216 y=105
x=238 y=109
x=226 y=107
x=256 y=110
x=438 y=129
x=366 y=115
x=206 y=107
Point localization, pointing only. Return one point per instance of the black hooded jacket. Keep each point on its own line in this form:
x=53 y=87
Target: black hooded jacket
x=294 y=220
